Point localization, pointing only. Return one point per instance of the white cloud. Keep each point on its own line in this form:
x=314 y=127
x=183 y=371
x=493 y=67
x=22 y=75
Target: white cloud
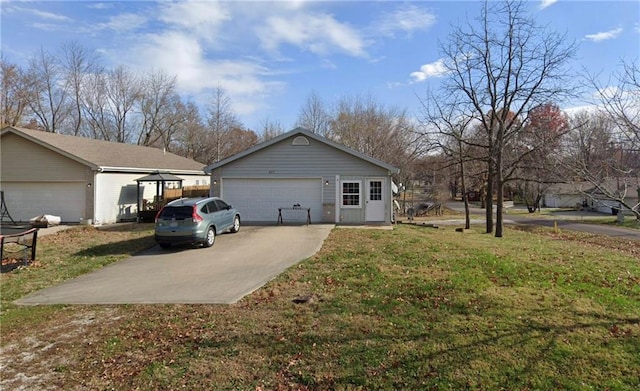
x=182 y=54
x=603 y=36
x=40 y=14
x=47 y=26
x=320 y=34
x=574 y=110
x=434 y=69
x=547 y=3
x=406 y=19
x=100 y=6
x=203 y=18
x=124 y=22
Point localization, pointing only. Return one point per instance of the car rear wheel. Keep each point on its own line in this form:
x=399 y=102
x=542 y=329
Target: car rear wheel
x=210 y=238
x=236 y=224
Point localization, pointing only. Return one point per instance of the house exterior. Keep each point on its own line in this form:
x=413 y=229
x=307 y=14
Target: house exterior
x=82 y=179
x=585 y=195
x=627 y=187
x=566 y=195
x=302 y=169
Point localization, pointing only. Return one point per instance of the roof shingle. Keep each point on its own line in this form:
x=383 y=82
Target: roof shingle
x=100 y=153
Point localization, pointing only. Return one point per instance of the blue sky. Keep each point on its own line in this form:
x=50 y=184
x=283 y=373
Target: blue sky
x=269 y=56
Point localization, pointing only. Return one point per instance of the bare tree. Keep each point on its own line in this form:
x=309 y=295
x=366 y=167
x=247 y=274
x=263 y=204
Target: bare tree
x=109 y=99
x=221 y=120
x=537 y=146
x=270 y=129
x=500 y=67
x=239 y=140
x=314 y=116
x=189 y=139
x=161 y=109
x=98 y=122
x=77 y=63
x=596 y=154
x=49 y=91
x=447 y=129
x=15 y=98
x=621 y=102
x=386 y=134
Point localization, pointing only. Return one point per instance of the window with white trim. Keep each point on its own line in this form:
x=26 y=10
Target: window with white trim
x=351 y=194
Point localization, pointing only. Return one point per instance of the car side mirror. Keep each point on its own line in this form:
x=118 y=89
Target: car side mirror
x=229 y=207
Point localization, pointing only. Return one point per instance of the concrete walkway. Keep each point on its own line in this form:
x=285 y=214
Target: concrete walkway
x=235 y=266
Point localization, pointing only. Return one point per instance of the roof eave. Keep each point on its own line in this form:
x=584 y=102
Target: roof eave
x=149 y=170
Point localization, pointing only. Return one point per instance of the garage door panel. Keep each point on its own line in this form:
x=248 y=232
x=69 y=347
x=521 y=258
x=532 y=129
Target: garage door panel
x=27 y=200
x=259 y=199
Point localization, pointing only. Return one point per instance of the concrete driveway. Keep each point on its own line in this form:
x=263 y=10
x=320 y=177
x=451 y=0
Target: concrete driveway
x=235 y=266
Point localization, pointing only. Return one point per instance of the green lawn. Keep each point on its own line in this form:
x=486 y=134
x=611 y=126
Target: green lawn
x=412 y=308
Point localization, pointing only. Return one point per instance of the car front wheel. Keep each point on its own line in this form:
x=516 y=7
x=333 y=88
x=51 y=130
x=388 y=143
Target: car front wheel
x=210 y=238
x=236 y=224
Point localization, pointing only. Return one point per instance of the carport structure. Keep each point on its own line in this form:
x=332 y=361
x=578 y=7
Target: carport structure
x=148 y=210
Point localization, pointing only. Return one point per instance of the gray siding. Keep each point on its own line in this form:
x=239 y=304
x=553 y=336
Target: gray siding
x=283 y=160
x=289 y=161
x=316 y=160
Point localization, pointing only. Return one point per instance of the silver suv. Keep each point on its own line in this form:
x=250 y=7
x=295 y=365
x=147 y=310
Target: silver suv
x=195 y=220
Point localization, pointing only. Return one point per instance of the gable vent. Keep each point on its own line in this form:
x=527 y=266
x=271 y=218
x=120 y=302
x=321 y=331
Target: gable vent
x=300 y=140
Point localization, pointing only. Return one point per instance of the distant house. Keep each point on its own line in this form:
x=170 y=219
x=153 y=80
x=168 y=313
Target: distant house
x=586 y=195
x=566 y=195
x=82 y=179
x=630 y=187
x=300 y=168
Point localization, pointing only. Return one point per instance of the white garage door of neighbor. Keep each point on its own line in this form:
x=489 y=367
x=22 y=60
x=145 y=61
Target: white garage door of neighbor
x=259 y=199
x=27 y=200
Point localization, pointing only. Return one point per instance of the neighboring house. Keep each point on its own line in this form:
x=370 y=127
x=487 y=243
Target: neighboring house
x=566 y=195
x=585 y=195
x=338 y=184
x=629 y=187
x=82 y=179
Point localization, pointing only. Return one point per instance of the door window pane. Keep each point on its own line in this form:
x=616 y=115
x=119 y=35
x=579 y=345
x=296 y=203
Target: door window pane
x=375 y=191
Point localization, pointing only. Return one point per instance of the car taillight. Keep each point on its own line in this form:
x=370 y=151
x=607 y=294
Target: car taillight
x=158 y=214
x=196 y=217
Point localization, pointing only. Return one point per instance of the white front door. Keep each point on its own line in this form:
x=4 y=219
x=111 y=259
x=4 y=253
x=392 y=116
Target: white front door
x=375 y=199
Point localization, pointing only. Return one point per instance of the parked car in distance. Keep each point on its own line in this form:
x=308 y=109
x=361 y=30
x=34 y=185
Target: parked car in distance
x=195 y=220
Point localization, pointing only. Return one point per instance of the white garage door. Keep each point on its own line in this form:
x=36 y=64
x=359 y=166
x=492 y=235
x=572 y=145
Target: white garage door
x=27 y=200
x=259 y=199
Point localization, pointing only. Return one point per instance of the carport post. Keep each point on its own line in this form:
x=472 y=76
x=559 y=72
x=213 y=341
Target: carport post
x=138 y=202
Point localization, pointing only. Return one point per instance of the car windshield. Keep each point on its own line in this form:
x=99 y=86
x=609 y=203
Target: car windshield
x=176 y=212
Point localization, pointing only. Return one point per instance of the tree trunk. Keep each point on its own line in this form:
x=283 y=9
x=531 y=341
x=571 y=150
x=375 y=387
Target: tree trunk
x=500 y=192
x=499 y=208
x=465 y=198
x=489 y=198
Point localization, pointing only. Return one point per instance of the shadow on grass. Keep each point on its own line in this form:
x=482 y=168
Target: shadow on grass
x=126 y=247
x=527 y=347
x=126 y=227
